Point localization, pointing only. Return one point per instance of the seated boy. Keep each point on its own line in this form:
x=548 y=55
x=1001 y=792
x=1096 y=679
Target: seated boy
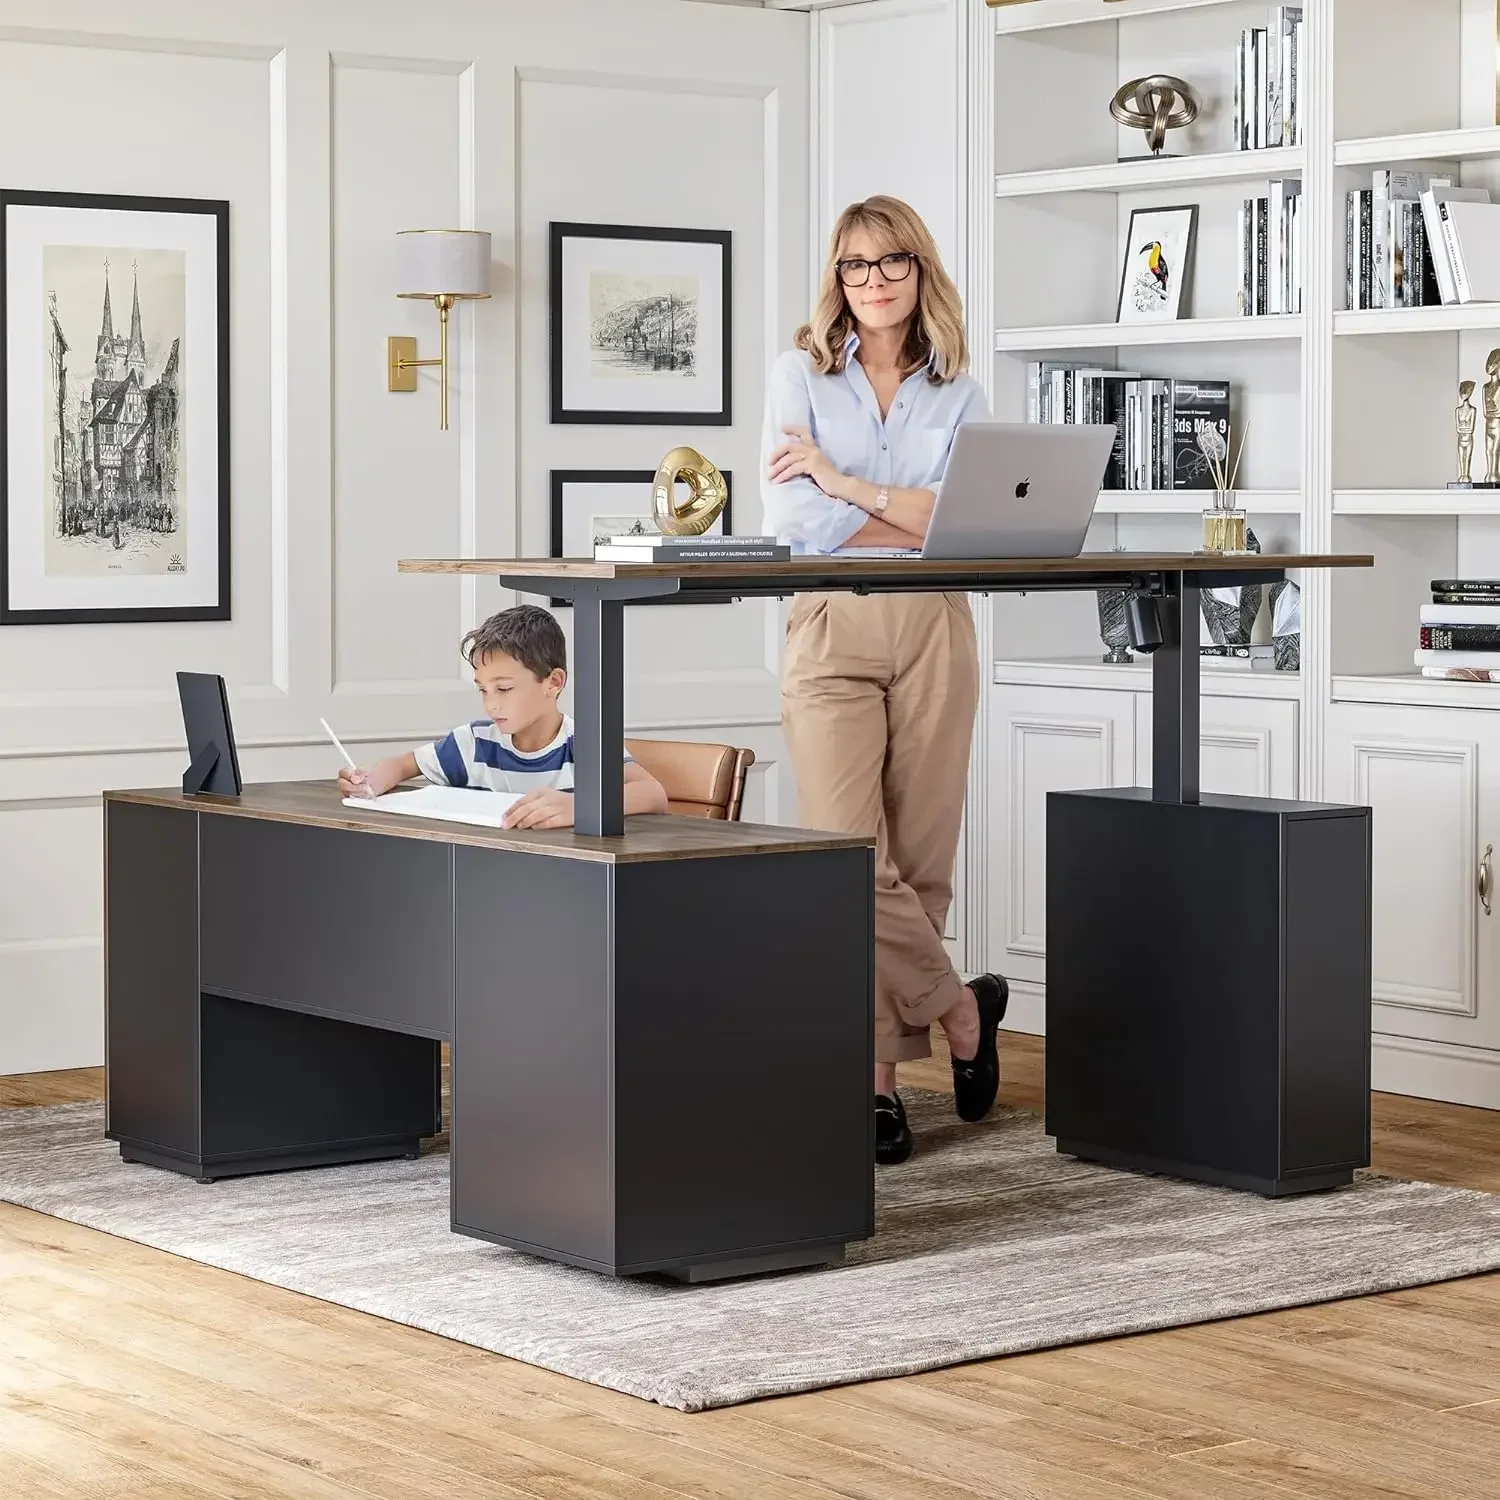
x=525 y=742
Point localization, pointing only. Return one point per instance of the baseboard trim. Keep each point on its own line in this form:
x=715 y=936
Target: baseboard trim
x=1435 y=1070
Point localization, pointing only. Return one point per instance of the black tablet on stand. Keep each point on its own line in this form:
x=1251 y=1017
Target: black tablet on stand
x=215 y=764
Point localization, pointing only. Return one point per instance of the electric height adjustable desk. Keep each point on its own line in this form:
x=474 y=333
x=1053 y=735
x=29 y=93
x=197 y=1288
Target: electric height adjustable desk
x=281 y=968
x=1208 y=958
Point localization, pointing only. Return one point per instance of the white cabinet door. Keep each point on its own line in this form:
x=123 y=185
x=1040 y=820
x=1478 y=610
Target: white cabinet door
x=1432 y=779
x=1042 y=740
x=1248 y=746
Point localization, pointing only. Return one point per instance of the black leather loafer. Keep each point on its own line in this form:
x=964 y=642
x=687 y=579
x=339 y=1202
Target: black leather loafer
x=893 y=1138
x=976 y=1081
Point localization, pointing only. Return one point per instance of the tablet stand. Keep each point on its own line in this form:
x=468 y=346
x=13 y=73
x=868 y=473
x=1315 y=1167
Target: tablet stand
x=195 y=778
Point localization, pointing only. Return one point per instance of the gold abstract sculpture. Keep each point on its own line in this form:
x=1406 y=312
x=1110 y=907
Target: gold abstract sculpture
x=1466 y=418
x=708 y=493
x=1156 y=105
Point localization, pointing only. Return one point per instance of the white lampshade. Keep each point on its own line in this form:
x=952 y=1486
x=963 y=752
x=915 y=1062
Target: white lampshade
x=442 y=262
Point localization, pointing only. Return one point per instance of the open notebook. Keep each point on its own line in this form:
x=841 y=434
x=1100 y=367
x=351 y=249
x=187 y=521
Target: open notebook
x=452 y=804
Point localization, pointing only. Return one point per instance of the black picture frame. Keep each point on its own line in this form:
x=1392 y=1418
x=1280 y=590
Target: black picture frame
x=1183 y=304
x=218 y=209
x=560 y=233
x=562 y=478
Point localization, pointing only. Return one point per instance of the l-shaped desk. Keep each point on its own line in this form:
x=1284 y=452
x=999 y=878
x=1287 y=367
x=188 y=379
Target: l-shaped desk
x=625 y=1000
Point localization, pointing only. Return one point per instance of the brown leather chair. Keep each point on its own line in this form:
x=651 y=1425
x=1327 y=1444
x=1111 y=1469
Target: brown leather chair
x=701 y=781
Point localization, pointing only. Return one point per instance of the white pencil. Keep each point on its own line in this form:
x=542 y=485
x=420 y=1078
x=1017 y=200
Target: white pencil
x=348 y=759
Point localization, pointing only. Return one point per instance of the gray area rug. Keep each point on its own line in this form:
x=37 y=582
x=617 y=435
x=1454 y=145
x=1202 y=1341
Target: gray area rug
x=989 y=1243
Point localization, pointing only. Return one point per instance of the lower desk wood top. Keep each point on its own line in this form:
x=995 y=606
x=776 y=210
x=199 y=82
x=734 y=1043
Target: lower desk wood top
x=319 y=804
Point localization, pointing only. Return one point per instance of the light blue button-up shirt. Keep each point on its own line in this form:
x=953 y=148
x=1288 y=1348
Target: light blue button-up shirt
x=908 y=450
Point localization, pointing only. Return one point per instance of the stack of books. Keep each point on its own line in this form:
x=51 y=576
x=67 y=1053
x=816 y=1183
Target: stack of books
x=1271 y=251
x=1167 y=431
x=1461 y=630
x=684 y=549
x=1412 y=239
x=1267 y=94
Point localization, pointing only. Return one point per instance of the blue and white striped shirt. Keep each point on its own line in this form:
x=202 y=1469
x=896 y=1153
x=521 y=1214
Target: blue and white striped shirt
x=478 y=755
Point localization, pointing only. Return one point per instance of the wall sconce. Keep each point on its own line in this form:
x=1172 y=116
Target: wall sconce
x=447 y=265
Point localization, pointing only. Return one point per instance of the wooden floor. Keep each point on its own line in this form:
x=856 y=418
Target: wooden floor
x=127 y=1372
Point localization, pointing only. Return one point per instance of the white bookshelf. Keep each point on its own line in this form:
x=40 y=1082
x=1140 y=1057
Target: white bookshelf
x=1425 y=146
x=1377 y=322
x=1044 y=339
x=1202 y=170
x=1192 y=502
x=1351 y=444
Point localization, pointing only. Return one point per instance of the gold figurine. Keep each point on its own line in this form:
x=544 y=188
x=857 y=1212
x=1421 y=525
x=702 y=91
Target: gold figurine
x=1492 y=418
x=1466 y=420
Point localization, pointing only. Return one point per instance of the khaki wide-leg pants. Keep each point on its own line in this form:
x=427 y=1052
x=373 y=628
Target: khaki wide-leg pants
x=878 y=700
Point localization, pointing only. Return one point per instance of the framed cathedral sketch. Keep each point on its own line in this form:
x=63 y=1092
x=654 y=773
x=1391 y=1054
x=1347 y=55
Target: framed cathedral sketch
x=641 y=325
x=114 y=427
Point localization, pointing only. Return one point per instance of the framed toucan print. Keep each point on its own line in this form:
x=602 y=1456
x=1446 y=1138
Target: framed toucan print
x=1157 y=274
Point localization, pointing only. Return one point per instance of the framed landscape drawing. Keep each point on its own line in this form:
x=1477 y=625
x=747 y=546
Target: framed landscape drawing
x=641 y=326
x=600 y=505
x=114 y=428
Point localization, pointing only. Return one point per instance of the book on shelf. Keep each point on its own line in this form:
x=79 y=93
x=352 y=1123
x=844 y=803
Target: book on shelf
x=672 y=549
x=1270 y=251
x=1460 y=637
x=1267 y=92
x=1259 y=655
x=1463 y=674
x=1432 y=222
x=1164 y=428
x=1471 y=234
x=1398 y=248
x=1474 y=658
x=1465 y=588
x=1478 y=611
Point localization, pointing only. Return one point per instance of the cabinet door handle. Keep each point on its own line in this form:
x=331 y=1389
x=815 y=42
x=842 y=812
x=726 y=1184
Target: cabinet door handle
x=1487 y=877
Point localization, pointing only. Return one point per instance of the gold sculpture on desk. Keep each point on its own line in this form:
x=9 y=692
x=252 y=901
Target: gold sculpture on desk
x=708 y=493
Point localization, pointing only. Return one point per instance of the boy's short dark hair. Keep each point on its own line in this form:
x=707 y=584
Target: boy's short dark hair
x=527 y=633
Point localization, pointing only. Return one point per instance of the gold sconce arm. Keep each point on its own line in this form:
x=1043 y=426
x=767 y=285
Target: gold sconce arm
x=402 y=363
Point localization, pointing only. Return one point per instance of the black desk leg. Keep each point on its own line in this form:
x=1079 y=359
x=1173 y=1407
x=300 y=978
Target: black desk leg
x=1174 y=695
x=599 y=714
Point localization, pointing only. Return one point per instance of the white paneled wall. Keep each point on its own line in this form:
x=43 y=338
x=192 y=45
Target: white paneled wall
x=328 y=127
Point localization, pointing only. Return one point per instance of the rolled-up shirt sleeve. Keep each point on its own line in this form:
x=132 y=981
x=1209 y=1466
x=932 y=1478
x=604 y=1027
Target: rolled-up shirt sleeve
x=797 y=510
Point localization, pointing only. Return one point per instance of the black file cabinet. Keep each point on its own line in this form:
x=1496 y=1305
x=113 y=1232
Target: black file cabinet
x=1208 y=987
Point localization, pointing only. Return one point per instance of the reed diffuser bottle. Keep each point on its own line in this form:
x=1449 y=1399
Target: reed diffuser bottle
x=1224 y=523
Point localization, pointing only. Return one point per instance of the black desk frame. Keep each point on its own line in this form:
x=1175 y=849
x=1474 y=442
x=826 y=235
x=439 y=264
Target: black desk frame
x=599 y=654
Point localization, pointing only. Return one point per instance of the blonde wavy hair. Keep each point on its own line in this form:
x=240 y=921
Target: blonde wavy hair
x=936 y=331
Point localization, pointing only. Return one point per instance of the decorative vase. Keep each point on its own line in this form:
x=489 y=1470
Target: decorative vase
x=1114 y=632
x=1230 y=613
x=1286 y=626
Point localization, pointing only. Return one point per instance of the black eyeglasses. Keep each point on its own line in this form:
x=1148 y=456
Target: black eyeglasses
x=893 y=267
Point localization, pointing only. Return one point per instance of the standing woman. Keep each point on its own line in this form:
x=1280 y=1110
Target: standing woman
x=879 y=692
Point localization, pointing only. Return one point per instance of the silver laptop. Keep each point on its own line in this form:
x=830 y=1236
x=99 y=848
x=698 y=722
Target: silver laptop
x=1018 y=490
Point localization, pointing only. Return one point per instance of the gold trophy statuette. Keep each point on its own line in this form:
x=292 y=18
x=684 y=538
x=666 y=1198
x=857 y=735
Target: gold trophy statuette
x=708 y=493
x=1465 y=418
x=1492 y=420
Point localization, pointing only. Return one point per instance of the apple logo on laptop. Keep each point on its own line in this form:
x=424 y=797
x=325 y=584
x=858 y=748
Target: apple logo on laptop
x=1023 y=489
